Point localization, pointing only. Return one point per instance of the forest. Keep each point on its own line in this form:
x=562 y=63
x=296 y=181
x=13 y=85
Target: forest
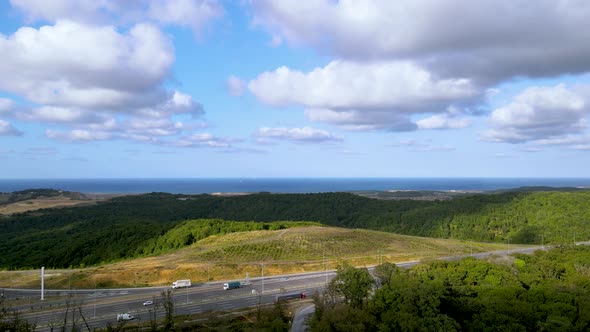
x=547 y=291
x=130 y=226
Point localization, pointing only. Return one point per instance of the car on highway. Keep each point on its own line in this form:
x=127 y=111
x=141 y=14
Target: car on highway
x=146 y=303
x=124 y=317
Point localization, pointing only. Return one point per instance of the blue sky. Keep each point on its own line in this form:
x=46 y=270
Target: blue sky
x=318 y=88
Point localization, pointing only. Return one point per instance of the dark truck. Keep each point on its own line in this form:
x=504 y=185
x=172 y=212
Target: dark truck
x=231 y=285
x=292 y=296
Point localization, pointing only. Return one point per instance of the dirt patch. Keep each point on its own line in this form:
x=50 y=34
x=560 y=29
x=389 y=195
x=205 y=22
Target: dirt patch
x=44 y=203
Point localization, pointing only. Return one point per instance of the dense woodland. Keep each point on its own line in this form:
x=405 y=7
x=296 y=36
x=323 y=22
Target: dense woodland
x=136 y=225
x=548 y=291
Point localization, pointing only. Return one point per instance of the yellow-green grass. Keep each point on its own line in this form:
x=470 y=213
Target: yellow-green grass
x=231 y=256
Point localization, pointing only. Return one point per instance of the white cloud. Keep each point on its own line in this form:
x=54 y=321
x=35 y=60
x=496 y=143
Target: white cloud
x=201 y=140
x=305 y=134
x=421 y=146
x=6 y=105
x=62 y=115
x=493 y=40
x=7 y=129
x=235 y=86
x=376 y=95
x=444 y=121
x=77 y=65
x=539 y=113
x=362 y=120
x=188 y=13
x=81 y=10
x=350 y=85
x=78 y=135
x=100 y=83
x=192 y=13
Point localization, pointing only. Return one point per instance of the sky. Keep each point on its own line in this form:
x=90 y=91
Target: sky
x=291 y=88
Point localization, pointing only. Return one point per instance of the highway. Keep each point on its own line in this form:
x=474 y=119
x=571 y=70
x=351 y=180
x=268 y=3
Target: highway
x=100 y=307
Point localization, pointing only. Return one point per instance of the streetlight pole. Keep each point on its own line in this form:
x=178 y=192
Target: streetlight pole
x=262 y=278
x=325 y=267
x=95 y=298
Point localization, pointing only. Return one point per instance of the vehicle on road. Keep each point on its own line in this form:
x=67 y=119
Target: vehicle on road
x=124 y=317
x=181 y=283
x=231 y=285
x=292 y=296
x=146 y=303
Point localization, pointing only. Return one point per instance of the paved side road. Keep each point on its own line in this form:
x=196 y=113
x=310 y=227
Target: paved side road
x=300 y=319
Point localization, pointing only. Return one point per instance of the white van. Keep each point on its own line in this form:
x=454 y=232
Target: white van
x=124 y=317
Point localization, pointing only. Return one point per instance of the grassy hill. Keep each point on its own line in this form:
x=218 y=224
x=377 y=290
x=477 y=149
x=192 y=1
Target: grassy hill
x=294 y=248
x=132 y=226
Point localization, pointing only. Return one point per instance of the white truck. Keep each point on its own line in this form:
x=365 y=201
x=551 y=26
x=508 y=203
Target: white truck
x=181 y=283
x=123 y=317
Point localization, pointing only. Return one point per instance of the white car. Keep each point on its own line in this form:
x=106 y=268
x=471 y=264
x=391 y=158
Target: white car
x=146 y=303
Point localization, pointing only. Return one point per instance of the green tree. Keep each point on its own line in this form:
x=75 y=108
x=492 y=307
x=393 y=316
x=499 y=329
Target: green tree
x=385 y=272
x=353 y=284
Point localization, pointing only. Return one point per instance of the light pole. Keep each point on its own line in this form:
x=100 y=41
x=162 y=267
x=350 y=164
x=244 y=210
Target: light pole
x=325 y=267
x=187 y=291
x=94 y=298
x=42 y=283
x=262 y=278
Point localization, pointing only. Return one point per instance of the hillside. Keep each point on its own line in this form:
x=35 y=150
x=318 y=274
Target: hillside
x=122 y=227
x=283 y=247
x=35 y=199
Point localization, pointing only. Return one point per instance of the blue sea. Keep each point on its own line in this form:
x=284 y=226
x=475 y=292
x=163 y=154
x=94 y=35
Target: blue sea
x=281 y=185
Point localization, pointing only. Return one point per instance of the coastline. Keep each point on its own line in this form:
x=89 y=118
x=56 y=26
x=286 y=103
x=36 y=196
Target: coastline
x=234 y=186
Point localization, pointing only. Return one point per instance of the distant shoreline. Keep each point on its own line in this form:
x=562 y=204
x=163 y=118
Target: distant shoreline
x=237 y=186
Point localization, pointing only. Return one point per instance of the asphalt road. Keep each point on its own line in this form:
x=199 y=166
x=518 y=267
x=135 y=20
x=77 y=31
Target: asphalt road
x=100 y=307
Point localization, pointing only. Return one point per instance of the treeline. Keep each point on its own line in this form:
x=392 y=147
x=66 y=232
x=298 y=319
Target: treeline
x=547 y=291
x=191 y=231
x=127 y=226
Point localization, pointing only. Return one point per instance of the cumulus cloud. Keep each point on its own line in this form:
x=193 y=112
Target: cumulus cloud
x=77 y=65
x=6 y=105
x=235 y=86
x=494 y=39
x=452 y=119
x=301 y=135
x=201 y=140
x=539 y=113
x=53 y=114
x=78 y=135
x=372 y=95
x=349 y=85
x=443 y=121
x=7 y=129
x=191 y=13
x=188 y=13
x=98 y=82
